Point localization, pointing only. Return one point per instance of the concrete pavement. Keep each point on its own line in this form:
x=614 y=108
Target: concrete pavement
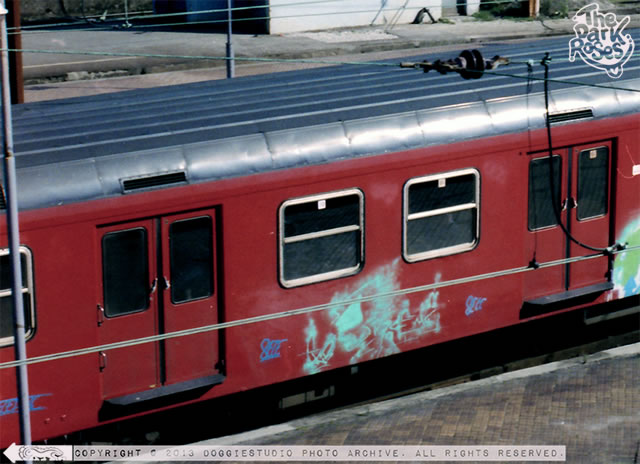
x=57 y=54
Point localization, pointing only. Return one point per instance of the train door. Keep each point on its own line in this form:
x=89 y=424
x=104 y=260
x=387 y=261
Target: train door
x=158 y=276
x=582 y=193
x=190 y=295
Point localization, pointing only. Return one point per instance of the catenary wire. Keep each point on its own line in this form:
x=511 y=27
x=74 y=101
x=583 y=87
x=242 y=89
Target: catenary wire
x=294 y=60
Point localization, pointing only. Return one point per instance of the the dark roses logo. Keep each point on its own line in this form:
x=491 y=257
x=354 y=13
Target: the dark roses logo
x=599 y=40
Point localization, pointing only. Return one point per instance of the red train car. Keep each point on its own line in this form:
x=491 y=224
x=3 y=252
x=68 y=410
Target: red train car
x=339 y=216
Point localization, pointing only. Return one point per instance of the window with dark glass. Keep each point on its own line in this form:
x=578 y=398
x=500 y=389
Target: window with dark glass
x=593 y=182
x=191 y=258
x=6 y=299
x=441 y=214
x=125 y=264
x=321 y=237
x=541 y=213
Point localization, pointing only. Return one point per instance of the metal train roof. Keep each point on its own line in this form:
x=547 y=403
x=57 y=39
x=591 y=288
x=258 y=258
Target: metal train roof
x=102 y=146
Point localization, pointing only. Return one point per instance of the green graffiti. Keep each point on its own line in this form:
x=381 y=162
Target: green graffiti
x=371 y=329
x=317 y=359
x=626 y=268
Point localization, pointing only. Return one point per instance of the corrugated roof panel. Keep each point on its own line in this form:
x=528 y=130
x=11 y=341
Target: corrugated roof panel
x=255 y=124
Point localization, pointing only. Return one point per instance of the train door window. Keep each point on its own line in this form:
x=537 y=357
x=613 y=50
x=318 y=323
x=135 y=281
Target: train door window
x=126 y=272
x=191 y=259
x=321 y=237
x=441 y=214
x=541 y=214
x=593 y=185
x=6 y=302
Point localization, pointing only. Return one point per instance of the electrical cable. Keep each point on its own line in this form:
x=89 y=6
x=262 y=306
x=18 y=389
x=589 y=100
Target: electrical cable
x=607 y=250
x=294 y=60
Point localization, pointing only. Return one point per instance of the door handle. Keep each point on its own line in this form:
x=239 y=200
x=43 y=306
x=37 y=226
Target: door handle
x=102 y=360
x=100 y=315
x=154 y=286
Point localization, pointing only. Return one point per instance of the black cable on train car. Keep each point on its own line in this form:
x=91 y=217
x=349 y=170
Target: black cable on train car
x=609 y=250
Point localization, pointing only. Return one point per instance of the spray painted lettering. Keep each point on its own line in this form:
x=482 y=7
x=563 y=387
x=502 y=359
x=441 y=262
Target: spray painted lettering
x=473 y=304
x=371 y=329
x=10 y=406
x=626 y=267
x=599 y=40
x=270 y=349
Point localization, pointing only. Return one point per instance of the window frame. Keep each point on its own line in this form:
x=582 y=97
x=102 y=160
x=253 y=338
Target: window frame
x=29 y=289
x=607 y=183
x=282 y=240
x=406 y=217
x=148 y=270
x=210 y=268
x=560 y=180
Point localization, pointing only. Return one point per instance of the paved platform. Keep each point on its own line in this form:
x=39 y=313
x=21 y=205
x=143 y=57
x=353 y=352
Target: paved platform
x=591 y=405
x=55 y=54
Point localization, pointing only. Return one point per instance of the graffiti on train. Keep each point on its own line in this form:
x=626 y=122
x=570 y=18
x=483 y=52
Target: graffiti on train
x=626 y=268
x=270 y=349
x=365 y=327
x=473 y=304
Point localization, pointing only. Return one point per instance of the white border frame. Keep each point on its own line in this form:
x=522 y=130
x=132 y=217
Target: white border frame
x=406 y=217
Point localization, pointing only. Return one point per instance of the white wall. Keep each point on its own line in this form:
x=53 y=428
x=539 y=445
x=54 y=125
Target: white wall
x=309 y=15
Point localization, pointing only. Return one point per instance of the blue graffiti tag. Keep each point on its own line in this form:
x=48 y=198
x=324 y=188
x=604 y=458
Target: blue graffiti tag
x=10 y=406
x=473 y=304
x=270 y=349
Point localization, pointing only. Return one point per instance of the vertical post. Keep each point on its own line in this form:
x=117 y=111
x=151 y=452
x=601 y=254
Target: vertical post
x=230 y=57
x=14 y=236
x=15 y=58
x=127 y=24
x=534 y=8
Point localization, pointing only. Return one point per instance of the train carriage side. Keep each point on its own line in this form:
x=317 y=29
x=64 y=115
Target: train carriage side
x=328 y=261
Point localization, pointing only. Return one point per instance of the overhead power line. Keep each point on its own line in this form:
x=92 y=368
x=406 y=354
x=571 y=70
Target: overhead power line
x=304 y=61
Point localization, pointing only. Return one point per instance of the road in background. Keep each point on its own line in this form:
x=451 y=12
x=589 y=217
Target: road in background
x=150 y=58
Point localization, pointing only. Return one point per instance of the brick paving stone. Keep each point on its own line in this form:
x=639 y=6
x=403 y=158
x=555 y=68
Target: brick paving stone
x=592 y=408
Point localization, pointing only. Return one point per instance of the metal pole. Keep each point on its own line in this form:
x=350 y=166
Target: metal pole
x=231 y=71
x=534 y=8
x=14 y=237
x=15 y=58
x=127 y=24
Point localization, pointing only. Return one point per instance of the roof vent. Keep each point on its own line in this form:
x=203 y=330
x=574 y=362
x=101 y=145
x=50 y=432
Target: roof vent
x=147 y=182
x=566 y=116
x=3 y=201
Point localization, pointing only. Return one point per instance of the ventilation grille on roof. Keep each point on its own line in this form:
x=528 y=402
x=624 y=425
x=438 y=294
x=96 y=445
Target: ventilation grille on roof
x=555 y=118
x=3 y=201
x=153 y=181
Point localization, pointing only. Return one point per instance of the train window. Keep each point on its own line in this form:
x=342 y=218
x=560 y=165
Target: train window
x=321 y=237
x=6 y=303
x=593 y=175
x=191 y=253
x=125 y=272
x=441 y=214
x=541 y=214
